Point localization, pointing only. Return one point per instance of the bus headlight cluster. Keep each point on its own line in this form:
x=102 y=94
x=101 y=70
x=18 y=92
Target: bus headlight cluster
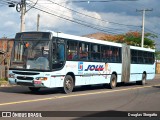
x=41 y=78
x=11 y=75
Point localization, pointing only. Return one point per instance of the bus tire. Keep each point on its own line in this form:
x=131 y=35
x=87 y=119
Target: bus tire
x=143 y=81
x=68 y=84
x=113 y=81
x=34 y=89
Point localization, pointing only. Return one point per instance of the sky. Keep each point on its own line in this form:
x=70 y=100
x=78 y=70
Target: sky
x=81 y=17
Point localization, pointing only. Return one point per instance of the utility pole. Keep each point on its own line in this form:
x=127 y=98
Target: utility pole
x=38 y=17
x=21 y=7
x=143 y=20
x=23 y=11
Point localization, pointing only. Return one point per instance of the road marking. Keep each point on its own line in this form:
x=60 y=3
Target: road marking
x=76 y=95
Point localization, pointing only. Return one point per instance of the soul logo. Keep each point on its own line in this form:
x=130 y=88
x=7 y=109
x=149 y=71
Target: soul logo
x=94 y=68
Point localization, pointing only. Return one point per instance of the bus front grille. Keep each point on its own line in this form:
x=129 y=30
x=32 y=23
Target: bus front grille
x=24 y=78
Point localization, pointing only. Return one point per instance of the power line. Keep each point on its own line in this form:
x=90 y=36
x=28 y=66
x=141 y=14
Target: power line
x=89 y=23
x=88 y=1
x=8 y=2
x=32 y=6
x=92 y=16
x=152 y=31
x=4 y=2
x=78 y=22
x=93 y=25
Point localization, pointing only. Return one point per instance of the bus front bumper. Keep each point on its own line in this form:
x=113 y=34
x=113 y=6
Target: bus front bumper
x=35 y=83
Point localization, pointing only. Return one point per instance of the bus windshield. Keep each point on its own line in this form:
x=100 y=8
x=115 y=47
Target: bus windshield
x=31 y=54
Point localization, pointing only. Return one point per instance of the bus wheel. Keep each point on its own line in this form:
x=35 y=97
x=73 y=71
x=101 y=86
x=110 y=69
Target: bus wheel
x=143 y=81
x=34 y=89
x=68 y=84
x=113 y=81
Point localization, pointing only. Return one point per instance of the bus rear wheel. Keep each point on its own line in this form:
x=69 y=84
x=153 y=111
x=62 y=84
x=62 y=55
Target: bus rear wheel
x=68 y=84
x=34 y=89
x=143 y=81
x=113 y=81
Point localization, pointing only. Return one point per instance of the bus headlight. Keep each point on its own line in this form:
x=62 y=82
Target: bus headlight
x=41 y=78
x=11 y=75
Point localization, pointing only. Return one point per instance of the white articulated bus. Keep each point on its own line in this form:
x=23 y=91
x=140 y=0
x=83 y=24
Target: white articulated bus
x=50 y=59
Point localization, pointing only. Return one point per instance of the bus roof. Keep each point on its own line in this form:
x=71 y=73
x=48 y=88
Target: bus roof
x=73 y=37
x=85 y=39
x=144 y=49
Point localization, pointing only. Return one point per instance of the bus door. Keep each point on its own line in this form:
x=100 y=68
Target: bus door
x=58 y=62
x=125 y=63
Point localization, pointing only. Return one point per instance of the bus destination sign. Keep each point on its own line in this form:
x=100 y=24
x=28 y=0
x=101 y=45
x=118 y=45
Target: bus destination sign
x=33 y=35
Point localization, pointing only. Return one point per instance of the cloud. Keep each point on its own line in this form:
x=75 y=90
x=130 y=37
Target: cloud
x=9 y=23
x=55 y=23
x=119 y=12
x=48 y=21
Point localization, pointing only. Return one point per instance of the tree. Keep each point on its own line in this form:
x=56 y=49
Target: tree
x=134 y=38
x=130 y=38
x=157 y=55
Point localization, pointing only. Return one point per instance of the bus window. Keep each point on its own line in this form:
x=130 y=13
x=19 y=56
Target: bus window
x=83 y=51
x=61 y=52
x=95 y=52
x=133 y=56
x=150 y=58
x=145 y=57
x=72 y=50
x=140 y=57
x=58 y=55
x=105 y=53
x=114 y=55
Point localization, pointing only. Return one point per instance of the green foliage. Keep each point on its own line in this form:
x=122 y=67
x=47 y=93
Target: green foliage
x=151 y=35
x=134 y=38
x=157 y=55
x=149 y=42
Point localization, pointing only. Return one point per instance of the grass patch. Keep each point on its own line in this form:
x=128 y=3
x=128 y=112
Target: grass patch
x=3 y=81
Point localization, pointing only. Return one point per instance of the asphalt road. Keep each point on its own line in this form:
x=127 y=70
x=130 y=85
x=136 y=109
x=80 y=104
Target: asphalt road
x=84 y=101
